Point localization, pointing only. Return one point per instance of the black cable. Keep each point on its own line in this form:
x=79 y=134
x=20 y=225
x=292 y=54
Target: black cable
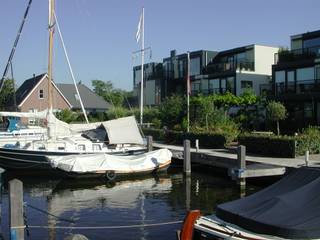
x=50 y=214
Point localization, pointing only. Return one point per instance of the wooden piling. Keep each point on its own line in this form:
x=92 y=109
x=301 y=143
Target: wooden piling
x=186 y=157
x=149 y=143
x=241 y=165
x=188 y=192
x=16 y=210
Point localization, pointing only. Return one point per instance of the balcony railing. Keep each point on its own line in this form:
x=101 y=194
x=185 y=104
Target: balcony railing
x=229 y=66
x=297 y=54
x=306 y=86
x=212 y=91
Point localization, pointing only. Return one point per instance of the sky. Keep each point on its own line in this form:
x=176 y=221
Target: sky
x=100 y=34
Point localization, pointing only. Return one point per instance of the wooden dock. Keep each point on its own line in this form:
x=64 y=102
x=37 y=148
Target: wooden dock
x=255 y=166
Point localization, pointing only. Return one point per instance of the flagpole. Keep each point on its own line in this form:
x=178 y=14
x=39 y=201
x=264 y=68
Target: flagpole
x=142 y=64
x=188 y=91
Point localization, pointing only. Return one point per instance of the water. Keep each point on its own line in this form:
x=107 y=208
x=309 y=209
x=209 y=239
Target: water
x=95 y=203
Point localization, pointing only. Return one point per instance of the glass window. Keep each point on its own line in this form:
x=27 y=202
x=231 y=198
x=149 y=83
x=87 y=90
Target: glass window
x=96 y=147
x=230 y=84
x=195 y=86
x=223 y=83
x=181 y=69
x=41 y=93
x=315 y=42
x=290 y=76
x=137 y=77
x=280 y=76
x=241 y=57
x=246 y=84
x=214 y=83
x=194 y=66
x=308 y=111
x=81 y=147
x=305 y=74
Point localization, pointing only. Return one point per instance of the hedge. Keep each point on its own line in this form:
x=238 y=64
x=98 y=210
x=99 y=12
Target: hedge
x=273 y=146
x=206 y=140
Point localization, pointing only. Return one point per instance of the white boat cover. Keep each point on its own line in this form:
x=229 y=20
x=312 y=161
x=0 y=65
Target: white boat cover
x=101 y=162
x=57 y=127
x=123 y=130
x=80 y=127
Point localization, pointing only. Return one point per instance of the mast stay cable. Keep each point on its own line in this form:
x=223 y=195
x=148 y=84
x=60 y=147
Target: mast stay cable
x=70 y=68
x=14 y=46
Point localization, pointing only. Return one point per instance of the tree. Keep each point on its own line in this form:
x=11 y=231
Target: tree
x=172 y=111
x=7 y=94
x=106 y=90
x=276 y=111
x=67 y=115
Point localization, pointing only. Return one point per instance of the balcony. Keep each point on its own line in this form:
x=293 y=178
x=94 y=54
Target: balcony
x=297 y=54
x=299 y=87
x=230 y=66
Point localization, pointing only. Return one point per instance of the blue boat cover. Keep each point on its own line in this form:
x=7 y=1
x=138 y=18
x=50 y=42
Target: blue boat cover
x=289 y=208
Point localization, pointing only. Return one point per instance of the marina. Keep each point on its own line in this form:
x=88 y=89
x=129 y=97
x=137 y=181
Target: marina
x=137 y=208
x=218 y=140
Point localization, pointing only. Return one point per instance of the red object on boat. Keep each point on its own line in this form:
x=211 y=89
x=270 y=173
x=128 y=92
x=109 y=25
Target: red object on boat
x=188 y=224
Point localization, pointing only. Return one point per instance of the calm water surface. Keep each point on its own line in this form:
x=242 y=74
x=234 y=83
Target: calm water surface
x=95 y=203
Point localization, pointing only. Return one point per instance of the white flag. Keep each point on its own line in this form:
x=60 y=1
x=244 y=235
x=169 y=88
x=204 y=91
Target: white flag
x=139 y=29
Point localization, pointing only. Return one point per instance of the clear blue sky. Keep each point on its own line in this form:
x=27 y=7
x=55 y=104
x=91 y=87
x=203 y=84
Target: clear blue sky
x=100 y=34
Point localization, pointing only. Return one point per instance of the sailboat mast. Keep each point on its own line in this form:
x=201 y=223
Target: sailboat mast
x=51 y=31
x=142 y=65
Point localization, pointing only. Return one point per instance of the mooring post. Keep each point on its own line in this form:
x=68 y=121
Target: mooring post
x=149 y=143
x=16 y=210
x=186 y=158
x=188 y=192
x=197 y=145
x=241 y=165
x=306 y=158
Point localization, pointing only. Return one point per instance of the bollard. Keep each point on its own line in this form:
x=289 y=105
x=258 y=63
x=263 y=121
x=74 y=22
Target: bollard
x=149 y=143
x=306 y=158
x=197 y=145
x=16 y=210
x=241 y=165
x=186 y=157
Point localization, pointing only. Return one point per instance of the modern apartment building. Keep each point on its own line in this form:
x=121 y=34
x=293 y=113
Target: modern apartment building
x=295 y=78
x=211 y=72
x=175 y=70
x=236 y=69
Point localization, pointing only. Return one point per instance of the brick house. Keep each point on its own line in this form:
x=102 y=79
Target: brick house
x=32 y=96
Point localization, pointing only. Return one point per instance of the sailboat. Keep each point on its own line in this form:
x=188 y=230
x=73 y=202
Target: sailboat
x=123 y=135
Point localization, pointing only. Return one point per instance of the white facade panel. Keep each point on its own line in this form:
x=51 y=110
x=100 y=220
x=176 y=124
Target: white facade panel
x=264 y=58
x=256 y=79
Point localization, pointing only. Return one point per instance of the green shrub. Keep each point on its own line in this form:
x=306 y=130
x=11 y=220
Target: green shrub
x=206 y=140
x=157 y=134
x=309 y=140
x=273 y=146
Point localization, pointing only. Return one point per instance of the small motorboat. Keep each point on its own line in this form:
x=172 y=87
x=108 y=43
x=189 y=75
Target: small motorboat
x=288 y=209
x=111 y=165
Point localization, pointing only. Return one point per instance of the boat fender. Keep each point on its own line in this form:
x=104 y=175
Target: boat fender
x=111 y=175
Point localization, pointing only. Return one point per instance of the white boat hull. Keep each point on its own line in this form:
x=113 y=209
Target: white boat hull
x=102 y=164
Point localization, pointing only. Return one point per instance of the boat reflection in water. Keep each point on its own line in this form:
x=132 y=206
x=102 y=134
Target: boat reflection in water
x=94 y=203
x=114 y=202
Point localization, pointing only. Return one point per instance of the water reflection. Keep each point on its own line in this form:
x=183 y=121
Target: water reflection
x=126 y=202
